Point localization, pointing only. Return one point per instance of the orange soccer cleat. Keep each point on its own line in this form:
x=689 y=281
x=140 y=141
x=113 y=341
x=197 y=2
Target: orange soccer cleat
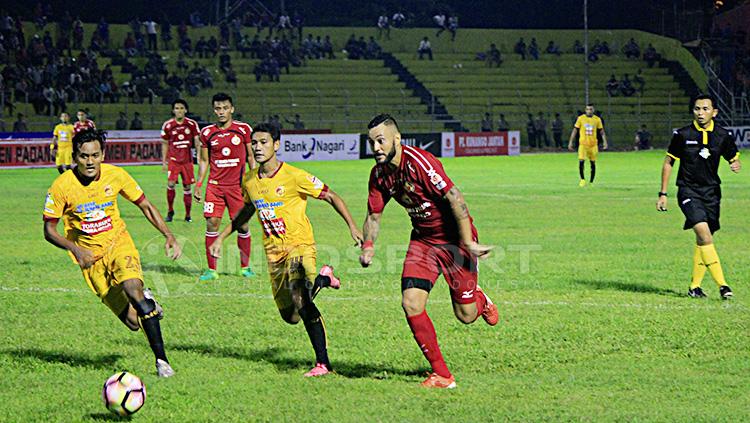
x=490 y=313
x=437 y=381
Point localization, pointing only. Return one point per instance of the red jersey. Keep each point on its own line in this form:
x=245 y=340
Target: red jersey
x=180 y=139
x=80 y=126
x=227 y=152
x=419 y=185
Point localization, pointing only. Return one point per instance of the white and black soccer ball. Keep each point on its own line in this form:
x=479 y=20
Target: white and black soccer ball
x=124 y=393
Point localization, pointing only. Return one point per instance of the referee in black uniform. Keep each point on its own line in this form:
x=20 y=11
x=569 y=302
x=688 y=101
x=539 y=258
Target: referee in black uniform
x=700 y=147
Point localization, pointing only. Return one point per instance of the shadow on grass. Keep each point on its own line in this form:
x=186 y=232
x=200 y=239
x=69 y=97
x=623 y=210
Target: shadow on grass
x=628 y=287
x=272 y=355
x=171 y=269
x=107 y=417
x=71 y=359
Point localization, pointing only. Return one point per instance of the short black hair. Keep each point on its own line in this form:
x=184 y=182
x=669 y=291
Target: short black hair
x=702 y=96
x=222 y=97
x=589 y=104
x=273 y=130
x=81 y=110
x=385 y=118
x=181 y=101
x=88 y=135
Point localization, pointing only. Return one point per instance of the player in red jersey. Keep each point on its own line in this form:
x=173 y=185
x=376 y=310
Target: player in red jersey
x=443 y=238
x=225 y=149
x=83 y=122
x=179 y=135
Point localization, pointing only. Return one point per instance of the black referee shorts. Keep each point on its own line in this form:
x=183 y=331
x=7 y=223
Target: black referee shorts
x=700 y=205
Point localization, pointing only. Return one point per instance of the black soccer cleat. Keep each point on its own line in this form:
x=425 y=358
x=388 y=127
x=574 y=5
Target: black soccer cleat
x=696 y=292
x=170 y=216
x=725 y=292
x=188 y=219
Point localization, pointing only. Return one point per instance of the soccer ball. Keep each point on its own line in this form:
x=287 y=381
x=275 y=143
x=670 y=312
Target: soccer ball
x=124 y=393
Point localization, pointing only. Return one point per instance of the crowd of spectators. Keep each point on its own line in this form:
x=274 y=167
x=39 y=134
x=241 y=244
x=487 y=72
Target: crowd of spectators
x=729 y=56
x=625 y=86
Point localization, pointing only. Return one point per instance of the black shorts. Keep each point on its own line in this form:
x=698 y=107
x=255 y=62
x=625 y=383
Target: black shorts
x=700 y=205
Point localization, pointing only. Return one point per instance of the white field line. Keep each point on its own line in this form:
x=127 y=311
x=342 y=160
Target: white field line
x=540 y=303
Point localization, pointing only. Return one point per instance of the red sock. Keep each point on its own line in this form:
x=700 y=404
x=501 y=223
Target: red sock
x=187 y=198
x=424 y=333
x=170 y=199
x=481 y=302
x=243 y=243
x=210 y=238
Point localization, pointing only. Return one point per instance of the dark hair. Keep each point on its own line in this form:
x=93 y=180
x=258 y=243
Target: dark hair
x=222 y=97
x=180 y=101
x=81 y=110
x=273 y=130
x=88 y=135
x=702 y=97
x=590 y=105
x=384 y=118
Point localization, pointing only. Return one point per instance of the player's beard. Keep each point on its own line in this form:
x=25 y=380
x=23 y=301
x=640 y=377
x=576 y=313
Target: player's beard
x=388 y=157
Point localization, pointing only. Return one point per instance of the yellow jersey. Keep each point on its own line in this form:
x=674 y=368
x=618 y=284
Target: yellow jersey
x=90 y=213
x=280 y=201
x=64 y=134
x=587 y=129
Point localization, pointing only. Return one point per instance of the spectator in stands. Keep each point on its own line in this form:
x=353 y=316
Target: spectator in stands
x=201 y=47
x=285 y=23
x=122 y=122
x=502 y=124
x=557 y=131
x=166 y=34
x=520 y=48
x=643 y=139
x=494 y=57
x=384 y=27
x=534 y=49
x=597 y=47
x=540 y=129
x=453 y=26
x=373 y=49
x=424 y=48
x=605 y=48
x=136 y=124
x=150 y=26
x=298 y=22
x=613 y=86
x=77 y=34
x=213 y=46
x=531 y=131
x=631 y=50
x=441 y=23
x=297 y=123
x=486 y=123
x=626 y=87
x=553 y=48
x=578 y=47
x=639 y=81
x=327 y=48
x=650 y=56
x=195 y=20
x=20 y=124
x=231 y=76
x=186 y=47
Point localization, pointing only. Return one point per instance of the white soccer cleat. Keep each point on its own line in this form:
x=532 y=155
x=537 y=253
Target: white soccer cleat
x=163 y=369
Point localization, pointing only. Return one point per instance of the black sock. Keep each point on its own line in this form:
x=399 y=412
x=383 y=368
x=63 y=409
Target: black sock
x=580 y=168
x=316 y=331
x=593 y=171
x=151 y=327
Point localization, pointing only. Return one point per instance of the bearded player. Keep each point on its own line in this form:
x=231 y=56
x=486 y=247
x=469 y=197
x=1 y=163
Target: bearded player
x=179 y=134
x=443 y=238
x=98 y=241
x=278 y=192
x=225 y=149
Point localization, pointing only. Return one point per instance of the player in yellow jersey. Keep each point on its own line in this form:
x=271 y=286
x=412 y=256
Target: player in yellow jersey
x=62 y=140
x=587 y=127
x=279 y=192
x=98 y=241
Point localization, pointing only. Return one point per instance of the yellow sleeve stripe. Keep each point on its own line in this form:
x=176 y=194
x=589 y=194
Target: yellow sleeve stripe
x=735 y=158
x=673 y=156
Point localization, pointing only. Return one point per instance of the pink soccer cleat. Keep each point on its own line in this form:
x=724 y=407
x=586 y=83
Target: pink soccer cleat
x=327 y=272
x=440 y=382
x=320 y=369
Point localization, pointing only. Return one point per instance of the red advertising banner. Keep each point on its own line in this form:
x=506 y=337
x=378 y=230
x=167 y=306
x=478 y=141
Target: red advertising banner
x=134 y=148
x=486 y=143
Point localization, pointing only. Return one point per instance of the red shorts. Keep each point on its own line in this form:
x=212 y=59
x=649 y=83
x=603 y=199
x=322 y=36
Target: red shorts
x=177 y=170
x=458 y=266
x=220 y=197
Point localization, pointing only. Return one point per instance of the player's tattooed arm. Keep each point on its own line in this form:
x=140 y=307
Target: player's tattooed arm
x=461 y=212
x=339 y=205
x=84 y=257
x=371 y=228
x=171 y=247
x=247 y=211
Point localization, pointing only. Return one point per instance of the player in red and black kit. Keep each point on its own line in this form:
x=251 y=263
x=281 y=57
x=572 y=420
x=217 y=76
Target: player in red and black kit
x=179 y=135
x=443 y=238
x=225 y=148
x=83 y=122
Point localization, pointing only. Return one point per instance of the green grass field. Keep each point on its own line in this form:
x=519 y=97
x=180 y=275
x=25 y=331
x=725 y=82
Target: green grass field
x=590 y=281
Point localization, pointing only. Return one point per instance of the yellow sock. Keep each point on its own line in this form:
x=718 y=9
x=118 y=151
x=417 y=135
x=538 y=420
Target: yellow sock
x=699 y=269
x=711 y=260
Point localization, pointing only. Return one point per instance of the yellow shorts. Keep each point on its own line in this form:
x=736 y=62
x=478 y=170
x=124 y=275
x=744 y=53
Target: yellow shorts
x=586 y=152
x=120 y=263
x=290 y=272
x=64 y=156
